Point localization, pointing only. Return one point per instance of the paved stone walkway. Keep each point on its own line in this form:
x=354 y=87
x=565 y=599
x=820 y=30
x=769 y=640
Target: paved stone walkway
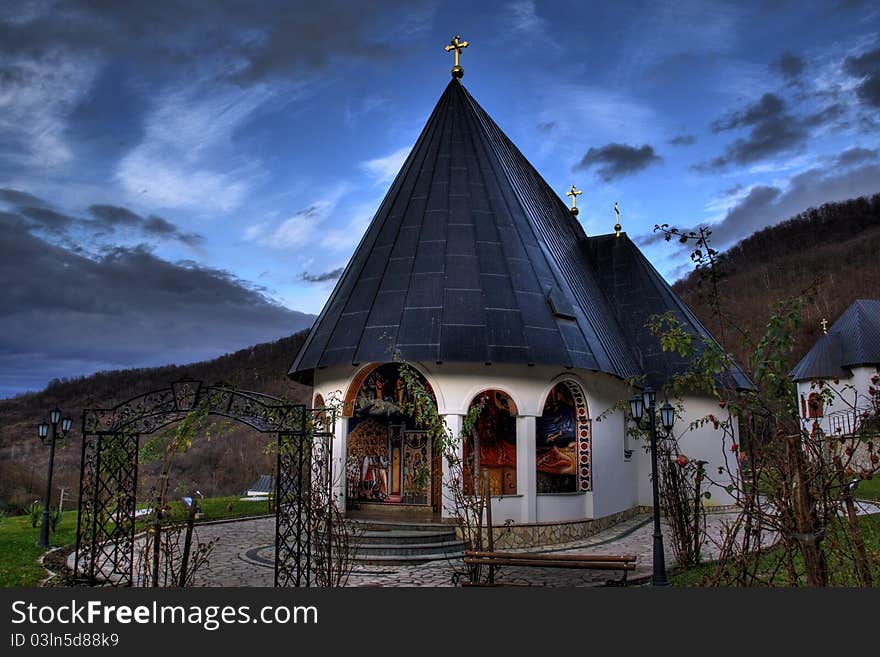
x=244 y=556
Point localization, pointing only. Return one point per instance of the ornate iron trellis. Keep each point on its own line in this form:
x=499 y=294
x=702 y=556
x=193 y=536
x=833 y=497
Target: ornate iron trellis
x=105 y=536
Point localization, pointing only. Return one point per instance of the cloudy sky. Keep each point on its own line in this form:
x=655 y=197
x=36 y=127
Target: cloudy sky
x=181 y=179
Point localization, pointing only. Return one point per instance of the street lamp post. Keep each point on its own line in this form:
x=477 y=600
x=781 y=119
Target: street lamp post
x=638 y=404
x=43 y=433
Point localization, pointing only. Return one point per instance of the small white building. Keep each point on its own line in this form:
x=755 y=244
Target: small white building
x=845 y=363
x=474 y=272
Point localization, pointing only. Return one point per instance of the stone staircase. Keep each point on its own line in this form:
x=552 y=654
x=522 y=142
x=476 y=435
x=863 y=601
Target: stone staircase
x=405 y=543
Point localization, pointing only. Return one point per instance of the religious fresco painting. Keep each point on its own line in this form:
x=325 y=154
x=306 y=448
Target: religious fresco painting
x=556 y=443
x=390 y=459
x=491 y=447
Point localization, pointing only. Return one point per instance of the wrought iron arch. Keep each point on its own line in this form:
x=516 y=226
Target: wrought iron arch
x=105 y=536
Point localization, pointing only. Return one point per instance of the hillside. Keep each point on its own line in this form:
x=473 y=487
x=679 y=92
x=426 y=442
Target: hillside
x=826 y=255
x=226 y=465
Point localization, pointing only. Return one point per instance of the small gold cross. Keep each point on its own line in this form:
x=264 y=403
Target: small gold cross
x=457 y=45
x=824 y=324
x=574 y=193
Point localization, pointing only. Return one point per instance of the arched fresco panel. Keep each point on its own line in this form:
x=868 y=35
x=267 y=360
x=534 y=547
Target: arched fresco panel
x=563 y=458
x=390 y=459
x=491 y=446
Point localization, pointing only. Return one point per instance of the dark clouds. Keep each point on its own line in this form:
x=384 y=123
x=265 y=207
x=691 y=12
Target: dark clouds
x=618 y=160
x=253 y=41
x=65 y=314
x=856 y=155
x=789 y=65
x=47 y=218
x=321 y=278
x=18 y=197
x=772 y=130
x=775 y=128
x=105 y=220
x=111 y=218
x=867 y=67
x=766 y=205
x=683 y=140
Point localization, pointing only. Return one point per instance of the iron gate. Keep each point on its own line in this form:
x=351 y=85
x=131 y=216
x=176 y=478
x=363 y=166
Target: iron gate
x=105 y=535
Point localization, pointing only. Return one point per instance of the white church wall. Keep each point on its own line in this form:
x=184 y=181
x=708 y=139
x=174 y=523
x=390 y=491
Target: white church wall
x=704 y=444
x=559 y=507
x=614 y=476
x=849 y=394
x=618 y=481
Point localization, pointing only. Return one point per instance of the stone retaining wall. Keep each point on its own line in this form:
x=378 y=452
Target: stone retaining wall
x=552 y=533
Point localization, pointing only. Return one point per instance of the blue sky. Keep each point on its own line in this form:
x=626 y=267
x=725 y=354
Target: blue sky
x=177 y=178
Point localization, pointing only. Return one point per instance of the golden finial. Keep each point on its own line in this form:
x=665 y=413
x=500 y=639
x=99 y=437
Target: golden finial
x=574 y=193
x=457 y=45
x=824 y=324
x=617 y=220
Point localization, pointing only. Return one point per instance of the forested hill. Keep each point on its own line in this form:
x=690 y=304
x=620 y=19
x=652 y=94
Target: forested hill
x=225 y=465
x=828 y=255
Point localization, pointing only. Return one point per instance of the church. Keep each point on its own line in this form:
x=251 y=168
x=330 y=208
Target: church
x=838 y=378
x=478 y=275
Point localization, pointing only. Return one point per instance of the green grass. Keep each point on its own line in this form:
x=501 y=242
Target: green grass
x=839 y=575
x=868 y=489
x=19 y=551
x=218 y=508
x=18 y=540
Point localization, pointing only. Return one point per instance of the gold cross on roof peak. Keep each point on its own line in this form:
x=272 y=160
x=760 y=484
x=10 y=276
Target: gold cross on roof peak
x=824 y=324
x=617 y=227
x=574 y=192
x=457 y=45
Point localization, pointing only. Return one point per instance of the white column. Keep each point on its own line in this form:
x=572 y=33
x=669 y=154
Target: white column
x=453 y=422
x=340 y=454
x=526 y=475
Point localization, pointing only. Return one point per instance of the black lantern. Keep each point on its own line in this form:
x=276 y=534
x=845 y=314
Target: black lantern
x=46 y=438
x=648 y=397
x=636 y=408
x=667 y=416
x=638 y=405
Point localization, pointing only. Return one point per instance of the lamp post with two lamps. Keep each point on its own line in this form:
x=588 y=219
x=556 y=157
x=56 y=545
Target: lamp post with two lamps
x=638 y=404
x=43 y=432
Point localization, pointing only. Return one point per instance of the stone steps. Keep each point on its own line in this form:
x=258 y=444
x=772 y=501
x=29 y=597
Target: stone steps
x=406 y=537
x=406 y=543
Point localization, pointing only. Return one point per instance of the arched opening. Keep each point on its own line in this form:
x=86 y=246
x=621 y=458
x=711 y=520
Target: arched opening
x=109 y=478
x=390 y=459
x=491 y=446
x=563 y=450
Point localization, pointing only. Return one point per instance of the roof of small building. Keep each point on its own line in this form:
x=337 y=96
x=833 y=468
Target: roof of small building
x=264 y=484
x=472 y=257
x=853 y=340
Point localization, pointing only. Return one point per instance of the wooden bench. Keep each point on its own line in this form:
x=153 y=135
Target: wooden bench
x=623 y=563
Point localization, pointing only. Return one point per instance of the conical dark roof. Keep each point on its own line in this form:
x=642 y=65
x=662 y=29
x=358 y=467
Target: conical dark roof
x=636 y=291
x=470 y=258
x=853 y=340
x=473 y=258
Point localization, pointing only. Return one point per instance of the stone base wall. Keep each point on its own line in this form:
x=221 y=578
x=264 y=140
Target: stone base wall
x=550 y=533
